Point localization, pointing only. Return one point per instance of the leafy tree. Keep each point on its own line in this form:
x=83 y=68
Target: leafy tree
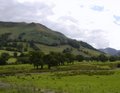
x=51 y=60
x=102 y=58
x=79 y=58
x=20 y=47
x=22 y=54
x=113 y=58
x=87 y=58
x=25 y=49
x=69 y=57
x=15 y=54
x=67 y=50
x=36 y=58
x=3 y=58
x=61 y=58
x=94 y=58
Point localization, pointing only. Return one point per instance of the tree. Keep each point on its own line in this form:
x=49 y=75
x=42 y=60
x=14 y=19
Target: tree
x=36 y=58
x=15 y=54
x=3 y=58
x=51 y=60
x=61 y=58
x=94 y=58
x=113 y=58
x=67 y=50
x=102 y=58
x=20 y=47
x=80 y=58
x=69 y=57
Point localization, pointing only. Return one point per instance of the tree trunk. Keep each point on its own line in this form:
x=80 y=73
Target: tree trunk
x=37 y=66
x=41 y=66
x=49 y=66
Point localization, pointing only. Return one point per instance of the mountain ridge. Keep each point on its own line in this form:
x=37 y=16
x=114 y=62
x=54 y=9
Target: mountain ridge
x=110 y=51
x=38 y=33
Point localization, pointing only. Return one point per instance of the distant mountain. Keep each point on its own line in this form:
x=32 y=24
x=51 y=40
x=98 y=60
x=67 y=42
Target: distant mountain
x=40 y=35
x=110 y=51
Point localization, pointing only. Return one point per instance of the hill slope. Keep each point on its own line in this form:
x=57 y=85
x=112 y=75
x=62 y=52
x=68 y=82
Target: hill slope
x=32 y=31
x=110 y=51
x=39 y=34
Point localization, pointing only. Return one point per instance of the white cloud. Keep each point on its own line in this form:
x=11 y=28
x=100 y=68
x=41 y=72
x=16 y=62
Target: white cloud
x=94 y=21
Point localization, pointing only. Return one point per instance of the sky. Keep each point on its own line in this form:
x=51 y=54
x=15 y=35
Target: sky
x=96 y=22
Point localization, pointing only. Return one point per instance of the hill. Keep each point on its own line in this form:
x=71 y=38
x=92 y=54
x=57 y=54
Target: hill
x=110 y=51
x=35 y=35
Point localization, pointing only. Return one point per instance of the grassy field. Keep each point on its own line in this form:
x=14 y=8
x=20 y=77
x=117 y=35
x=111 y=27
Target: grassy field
x=47 y=49
x=81 y=77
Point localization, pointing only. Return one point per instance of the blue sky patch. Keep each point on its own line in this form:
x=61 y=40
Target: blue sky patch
x=97 y=8
x=117 y=18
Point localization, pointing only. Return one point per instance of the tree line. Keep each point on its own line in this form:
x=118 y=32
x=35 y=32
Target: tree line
x=39 y=59
x=57 y=59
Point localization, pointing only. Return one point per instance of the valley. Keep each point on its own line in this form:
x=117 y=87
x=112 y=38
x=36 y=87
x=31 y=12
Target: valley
x=36 y=59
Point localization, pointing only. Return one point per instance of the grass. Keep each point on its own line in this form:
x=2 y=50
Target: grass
x=84 y=77
x=5 y=51
x=47 y=49
x=12 y=60
x=66 y=84
x=89 y=51
x=77 y=66
x=13 y=69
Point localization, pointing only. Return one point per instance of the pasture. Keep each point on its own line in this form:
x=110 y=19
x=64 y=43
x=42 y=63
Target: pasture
x=84 y=77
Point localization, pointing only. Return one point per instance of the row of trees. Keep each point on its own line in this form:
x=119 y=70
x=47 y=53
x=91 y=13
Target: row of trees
x=39 y=59
x=51 y=59
x=56 y=59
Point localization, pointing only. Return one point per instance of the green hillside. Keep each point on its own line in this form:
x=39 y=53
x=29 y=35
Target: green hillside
x=38 y=36
x=32 y=31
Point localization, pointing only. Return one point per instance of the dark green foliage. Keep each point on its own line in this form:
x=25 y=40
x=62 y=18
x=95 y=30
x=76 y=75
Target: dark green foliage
x=32 y=45
x=20 y=37
x=94 y=58
x=23 y=60
x=22 y=54
x=51 y=59
x=69 y=58
x=67 y=50
x=3 y=58
x=118 y=65
x=74 y=43
x=113 y=58
x=102 y=58
x=15 y=54
x=61 y=58
x=4 y=38
x=79 y=58
x=36 y=58
x=20 y=47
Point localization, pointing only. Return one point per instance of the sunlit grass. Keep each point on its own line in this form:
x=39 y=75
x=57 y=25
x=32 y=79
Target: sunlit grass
x=93 y=78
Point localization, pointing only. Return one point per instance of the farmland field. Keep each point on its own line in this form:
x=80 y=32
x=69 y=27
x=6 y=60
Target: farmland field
x=98 y=78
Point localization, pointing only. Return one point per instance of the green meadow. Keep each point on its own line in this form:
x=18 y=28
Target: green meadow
x=81 y=77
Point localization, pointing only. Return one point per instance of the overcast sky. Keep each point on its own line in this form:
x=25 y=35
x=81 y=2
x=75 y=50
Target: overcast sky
x=94 y=21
